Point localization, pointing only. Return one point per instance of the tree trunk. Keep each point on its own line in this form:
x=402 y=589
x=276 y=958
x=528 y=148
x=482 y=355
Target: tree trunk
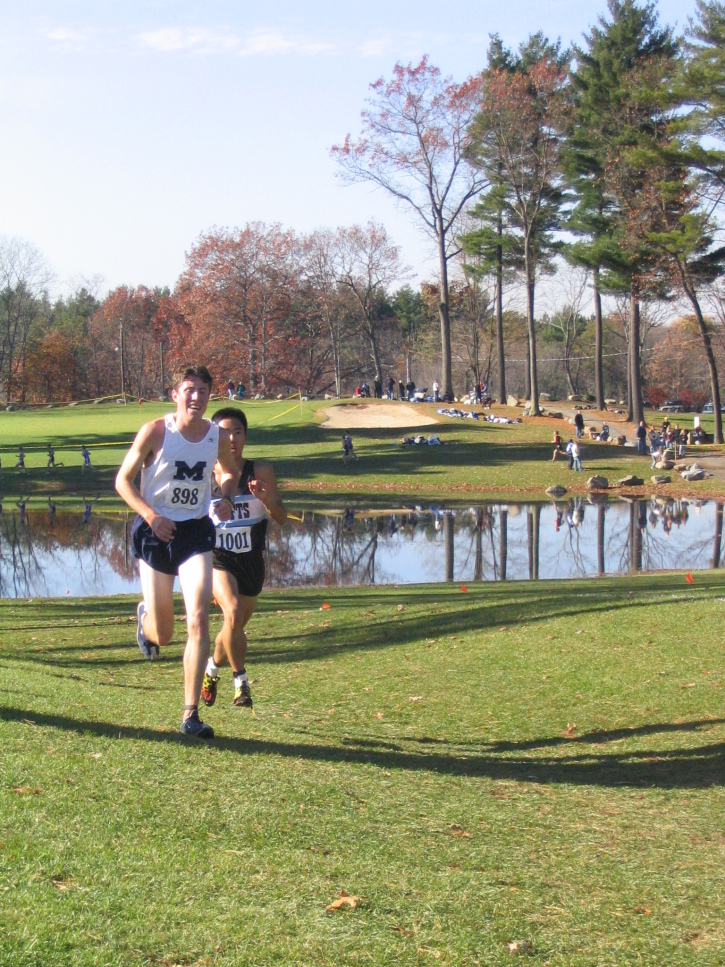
x=635 y=398
x=446 y=369
x=532 y=526
x=718 y=537
x=635 y=539
x=711 y=364
x=499 y=318
x=478 y=556
x=374 y=353
x=600 y=540
x=598 y=344
x=448 y=538
x=503 y=540
x=531 y=326
x=335 y=345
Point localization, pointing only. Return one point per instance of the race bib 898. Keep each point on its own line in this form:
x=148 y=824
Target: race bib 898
x=182 y=496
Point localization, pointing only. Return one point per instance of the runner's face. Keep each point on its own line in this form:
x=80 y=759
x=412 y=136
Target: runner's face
x=238 y=435
x=191 y=398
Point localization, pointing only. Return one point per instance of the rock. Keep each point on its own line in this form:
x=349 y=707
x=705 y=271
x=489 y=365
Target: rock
x=10 y=408
x=544 y=397
x=630 y=481
x=591 y=432
x=304 y=399
x=556 y=491
x=512 y=401
x=664 y=465
x=681 y=465
x=597 y=483
x=328 y=396
x=574 y=398
x=691 y=475
x=610 y=402
x=661 y=479
x=556 y=416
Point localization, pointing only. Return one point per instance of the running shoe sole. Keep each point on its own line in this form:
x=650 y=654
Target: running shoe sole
x=148 y=648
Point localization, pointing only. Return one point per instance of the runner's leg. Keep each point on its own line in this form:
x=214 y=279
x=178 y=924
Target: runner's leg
x=195 y=581
x=158 y=622
x=231 y=642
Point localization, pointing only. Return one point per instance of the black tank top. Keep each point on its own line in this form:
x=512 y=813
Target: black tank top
x=259 y=531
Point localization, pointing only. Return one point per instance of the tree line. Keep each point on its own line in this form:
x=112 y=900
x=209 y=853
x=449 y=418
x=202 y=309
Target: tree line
x=598 y=169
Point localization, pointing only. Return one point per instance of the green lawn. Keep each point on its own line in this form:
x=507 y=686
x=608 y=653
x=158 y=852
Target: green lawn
x=539 y=763
x=488 y=460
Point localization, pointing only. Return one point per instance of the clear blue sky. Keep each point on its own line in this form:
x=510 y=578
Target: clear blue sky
x=128 y=128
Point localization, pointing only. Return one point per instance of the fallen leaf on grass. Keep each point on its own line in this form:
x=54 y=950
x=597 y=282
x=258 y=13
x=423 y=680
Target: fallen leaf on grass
x=691 y=685
x=63 y=884
x=26 y=791
x=96 y=755
x=378 y=715
x=316 y=849
x=460 y=834
x=689 y=578
x=325 y=607
x=400 y=930
x=570 y=727
x=344 y=900
x=520 y=947
x=464 y=588
x=645 y=910
x=416 y=698
x=400 y=607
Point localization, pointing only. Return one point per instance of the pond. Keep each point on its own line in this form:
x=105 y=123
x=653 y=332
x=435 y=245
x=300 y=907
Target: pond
x=84 y=548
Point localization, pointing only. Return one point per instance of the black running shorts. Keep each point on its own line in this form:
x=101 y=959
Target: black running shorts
x=191 y=537
x=246 y=569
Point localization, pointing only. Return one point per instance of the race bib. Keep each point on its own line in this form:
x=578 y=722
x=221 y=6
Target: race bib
x=183 y=497
x=235 y=535
x=235 y=540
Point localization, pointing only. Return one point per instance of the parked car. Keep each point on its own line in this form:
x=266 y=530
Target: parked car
x=673 y=406
x=709 y=408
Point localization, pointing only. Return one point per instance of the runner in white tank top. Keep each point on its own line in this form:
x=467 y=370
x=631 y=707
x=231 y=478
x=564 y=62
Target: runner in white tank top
x=177 y=484
x=173 y=533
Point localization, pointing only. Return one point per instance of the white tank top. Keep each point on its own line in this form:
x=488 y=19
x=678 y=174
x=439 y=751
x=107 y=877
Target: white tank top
x=177 y=484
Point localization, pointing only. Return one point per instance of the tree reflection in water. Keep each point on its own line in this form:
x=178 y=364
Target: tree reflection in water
x=45 y=550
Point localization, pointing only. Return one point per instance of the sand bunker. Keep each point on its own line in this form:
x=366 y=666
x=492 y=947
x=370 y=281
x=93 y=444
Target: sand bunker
x=359 y=416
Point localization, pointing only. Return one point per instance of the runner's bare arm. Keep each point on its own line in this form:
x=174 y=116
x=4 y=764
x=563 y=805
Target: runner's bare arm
x=264 y=486
x=147 y=444
x=227 y=475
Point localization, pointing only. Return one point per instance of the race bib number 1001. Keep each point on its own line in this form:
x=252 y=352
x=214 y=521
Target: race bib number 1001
x=182 y=496
x=236 y=540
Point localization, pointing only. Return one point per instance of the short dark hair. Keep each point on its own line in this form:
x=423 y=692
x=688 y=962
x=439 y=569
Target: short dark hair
x=231 y=413
x=192 y=372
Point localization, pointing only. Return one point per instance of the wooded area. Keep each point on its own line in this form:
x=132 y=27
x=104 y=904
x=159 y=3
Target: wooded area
x=584 y=181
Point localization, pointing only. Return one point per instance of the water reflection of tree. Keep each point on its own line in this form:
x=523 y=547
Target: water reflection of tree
x=332 y=550
x=34 y=542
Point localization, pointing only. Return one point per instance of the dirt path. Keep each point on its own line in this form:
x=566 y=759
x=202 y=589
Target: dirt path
x=374 y=414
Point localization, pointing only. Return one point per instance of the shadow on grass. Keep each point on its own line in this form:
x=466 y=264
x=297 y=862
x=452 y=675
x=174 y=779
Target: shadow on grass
x=429 y=611
x=692 y=768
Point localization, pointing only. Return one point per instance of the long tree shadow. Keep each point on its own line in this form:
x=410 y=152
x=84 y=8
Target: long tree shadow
x=692 y=768
x=432 y=611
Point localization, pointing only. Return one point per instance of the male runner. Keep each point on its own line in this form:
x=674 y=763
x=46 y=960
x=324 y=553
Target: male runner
x=238 y=557
x=173 y=533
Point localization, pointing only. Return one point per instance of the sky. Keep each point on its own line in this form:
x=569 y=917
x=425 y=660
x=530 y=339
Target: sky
x=128 y=129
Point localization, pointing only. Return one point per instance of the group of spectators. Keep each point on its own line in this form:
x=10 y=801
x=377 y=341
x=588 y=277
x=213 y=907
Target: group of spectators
x=236 y=392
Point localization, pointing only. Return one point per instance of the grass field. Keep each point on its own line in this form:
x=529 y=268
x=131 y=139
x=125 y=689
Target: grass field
x=540 y=764
x=480 y=458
